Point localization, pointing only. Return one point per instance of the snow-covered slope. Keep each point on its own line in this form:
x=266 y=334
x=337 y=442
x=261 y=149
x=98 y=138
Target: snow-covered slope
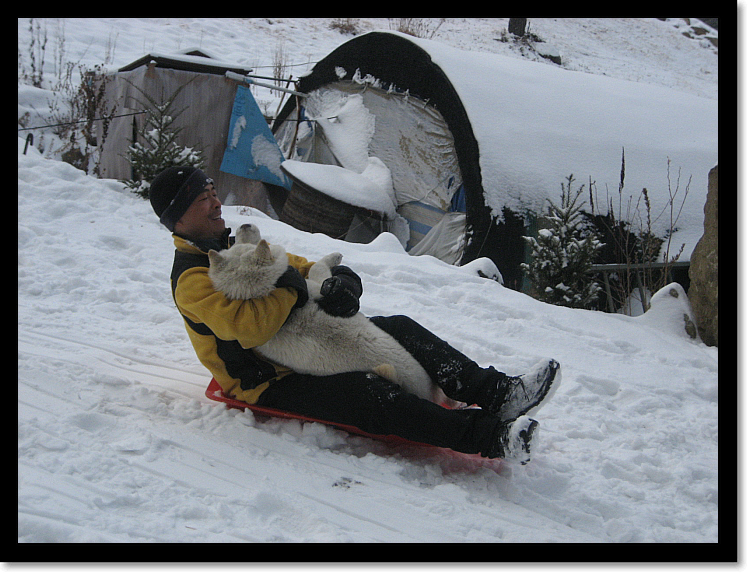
x=117 y=442
x=646 y=50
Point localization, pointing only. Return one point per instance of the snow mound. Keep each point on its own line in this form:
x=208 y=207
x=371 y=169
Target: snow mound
x=670 y=311
x=484 y=267
x=385 y=243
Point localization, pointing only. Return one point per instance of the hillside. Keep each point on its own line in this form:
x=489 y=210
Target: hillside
x=117 y=442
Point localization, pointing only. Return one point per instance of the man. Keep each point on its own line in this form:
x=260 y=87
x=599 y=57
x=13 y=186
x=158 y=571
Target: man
x=224 y=333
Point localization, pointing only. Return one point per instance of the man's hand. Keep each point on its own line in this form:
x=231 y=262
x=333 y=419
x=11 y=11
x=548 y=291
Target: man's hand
x=340 y=293
x=293 y=279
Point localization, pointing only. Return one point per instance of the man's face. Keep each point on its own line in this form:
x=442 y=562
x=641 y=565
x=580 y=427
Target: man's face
x=203 y=219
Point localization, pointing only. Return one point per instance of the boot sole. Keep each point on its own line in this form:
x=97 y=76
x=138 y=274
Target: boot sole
x=526 y=436
x=522 y=438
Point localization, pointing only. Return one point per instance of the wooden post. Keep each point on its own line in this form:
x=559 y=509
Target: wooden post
x=517 y=26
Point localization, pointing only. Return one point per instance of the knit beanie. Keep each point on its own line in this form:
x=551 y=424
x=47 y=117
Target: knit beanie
x=173 y=191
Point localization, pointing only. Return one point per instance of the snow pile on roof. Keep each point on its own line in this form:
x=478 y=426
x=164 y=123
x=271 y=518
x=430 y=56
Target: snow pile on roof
x=535 y=124
x=347 y=124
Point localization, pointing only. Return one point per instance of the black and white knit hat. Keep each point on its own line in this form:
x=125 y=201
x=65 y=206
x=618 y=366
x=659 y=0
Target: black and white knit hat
x=173 y=191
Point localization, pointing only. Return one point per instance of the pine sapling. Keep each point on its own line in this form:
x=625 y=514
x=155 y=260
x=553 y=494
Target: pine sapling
x=159 y=149
x=563 y=253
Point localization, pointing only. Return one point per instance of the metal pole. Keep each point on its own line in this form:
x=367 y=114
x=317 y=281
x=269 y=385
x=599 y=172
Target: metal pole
x=611 y=308
x=240 y=78
x=641 y=291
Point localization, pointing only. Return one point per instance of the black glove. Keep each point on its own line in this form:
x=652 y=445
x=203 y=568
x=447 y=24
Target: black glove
x=340 y=293
x=293 y=279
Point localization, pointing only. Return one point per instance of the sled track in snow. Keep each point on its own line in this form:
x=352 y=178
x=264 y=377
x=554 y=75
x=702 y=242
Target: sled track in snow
x=114 y=443
x=109 y=359
x=149 y=424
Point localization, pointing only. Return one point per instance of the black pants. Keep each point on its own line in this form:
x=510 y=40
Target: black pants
x=378 y=406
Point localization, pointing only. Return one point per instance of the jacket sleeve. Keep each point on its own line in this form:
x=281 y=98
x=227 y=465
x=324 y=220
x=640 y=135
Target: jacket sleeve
x=300 y=263
x=250 y=322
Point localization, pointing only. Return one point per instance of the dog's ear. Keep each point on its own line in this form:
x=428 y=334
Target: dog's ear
x=215 y=258
x=264 y=255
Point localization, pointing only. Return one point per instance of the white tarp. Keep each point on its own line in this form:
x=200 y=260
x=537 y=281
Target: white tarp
x=355 y=125
x=411 y=138
x=445 y=240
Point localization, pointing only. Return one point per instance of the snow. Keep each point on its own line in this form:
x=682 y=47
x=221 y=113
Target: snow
x=117 y=442
x=265 y=153
x=347 y=124
x=371 y=189
x=239 y=126
x=550 y=122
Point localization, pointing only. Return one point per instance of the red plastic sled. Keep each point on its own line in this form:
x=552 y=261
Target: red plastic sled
x=214 y=392
x=451 y=461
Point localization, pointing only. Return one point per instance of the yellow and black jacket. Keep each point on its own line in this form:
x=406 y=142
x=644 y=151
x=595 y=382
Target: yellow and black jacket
x=222 y=331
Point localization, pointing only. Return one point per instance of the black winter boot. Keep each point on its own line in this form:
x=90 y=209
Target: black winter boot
x=516 y=396
x=463 y=380
x=513 y=440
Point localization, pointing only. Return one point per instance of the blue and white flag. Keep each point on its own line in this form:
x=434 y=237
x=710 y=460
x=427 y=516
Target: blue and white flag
x=252 y=151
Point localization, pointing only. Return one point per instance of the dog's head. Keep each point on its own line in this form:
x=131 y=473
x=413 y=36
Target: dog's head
x=247 y=271
x=248 y=233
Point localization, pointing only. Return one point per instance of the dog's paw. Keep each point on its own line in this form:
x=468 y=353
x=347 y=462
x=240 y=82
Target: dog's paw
x=332 y=260
x=386 y=371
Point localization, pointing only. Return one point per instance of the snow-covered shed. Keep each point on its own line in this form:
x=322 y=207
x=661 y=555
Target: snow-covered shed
x=207 y=99
x=475 y=143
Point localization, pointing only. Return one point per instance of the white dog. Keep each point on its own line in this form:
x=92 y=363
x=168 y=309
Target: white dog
x=311 y=341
